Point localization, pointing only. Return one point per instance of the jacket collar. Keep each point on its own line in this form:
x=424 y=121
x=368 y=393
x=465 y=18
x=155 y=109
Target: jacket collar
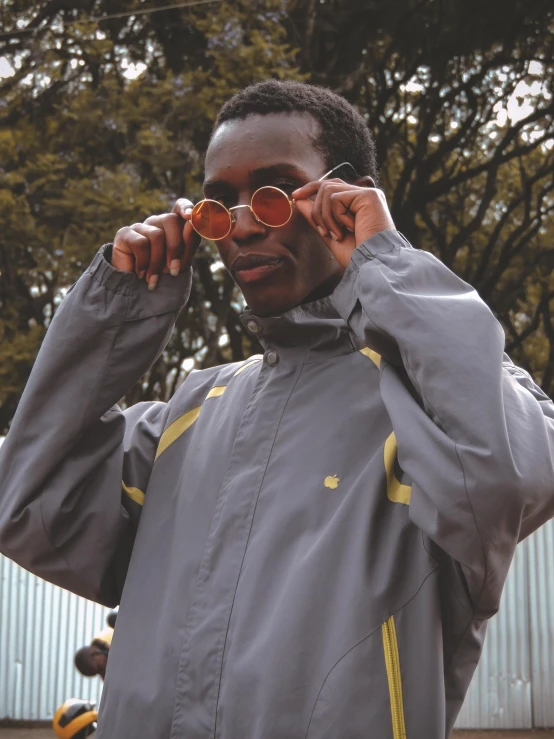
x=314 y=325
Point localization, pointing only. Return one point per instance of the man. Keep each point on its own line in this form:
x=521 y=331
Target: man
x=92 y=659
x=309 y=543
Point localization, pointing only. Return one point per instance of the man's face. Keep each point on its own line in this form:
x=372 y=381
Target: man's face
x=276 y=268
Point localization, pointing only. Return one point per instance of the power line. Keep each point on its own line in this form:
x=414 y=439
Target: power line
x=128 y=14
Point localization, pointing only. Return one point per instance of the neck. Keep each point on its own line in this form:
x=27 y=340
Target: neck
x=323 y=290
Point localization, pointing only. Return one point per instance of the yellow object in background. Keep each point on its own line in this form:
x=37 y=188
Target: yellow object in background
x=75 y=719
x=103 y=638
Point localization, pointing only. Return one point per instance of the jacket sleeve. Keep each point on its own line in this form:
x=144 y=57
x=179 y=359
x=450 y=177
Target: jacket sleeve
x=474 y=434
x=62 y=512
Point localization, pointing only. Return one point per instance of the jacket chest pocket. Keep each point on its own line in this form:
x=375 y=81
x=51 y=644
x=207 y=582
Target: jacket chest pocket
x=362 y=696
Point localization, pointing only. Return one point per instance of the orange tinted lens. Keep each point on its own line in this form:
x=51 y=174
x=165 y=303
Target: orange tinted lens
x=271 y=206
x=211 y=220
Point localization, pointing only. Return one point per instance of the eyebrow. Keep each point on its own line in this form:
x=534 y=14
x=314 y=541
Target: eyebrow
x=262 y=173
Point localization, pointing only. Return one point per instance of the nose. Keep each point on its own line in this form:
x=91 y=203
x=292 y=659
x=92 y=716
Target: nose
x=246 y=227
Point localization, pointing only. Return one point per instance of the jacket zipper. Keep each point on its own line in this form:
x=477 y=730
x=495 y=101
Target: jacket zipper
x=392 y=662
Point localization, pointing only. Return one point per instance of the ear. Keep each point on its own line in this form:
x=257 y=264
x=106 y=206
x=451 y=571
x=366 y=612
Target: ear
x=365 y=181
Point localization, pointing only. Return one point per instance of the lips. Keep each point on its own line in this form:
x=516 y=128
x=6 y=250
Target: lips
x=251 y=261
x=252 y=267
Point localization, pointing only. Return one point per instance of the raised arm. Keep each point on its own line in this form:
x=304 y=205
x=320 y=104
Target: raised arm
x=62 y=512
x=473 y=432
x=477 y=435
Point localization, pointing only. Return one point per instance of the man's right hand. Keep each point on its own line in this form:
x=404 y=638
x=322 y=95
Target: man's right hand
x=164 y=243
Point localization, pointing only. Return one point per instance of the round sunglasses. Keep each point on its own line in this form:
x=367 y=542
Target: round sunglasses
x=269 y=205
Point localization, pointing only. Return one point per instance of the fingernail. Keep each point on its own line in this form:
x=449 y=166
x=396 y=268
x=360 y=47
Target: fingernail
x=141 y=274
x=152 y=282
x=322 y=233
x=188 y=211
x=174 y=267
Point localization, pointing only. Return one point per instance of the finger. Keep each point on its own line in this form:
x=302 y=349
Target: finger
x=326 y=227
x=172 y=226
x=316 y=215
x=341 y=251
x=181 y=205
x=307 y=190
x=327 y=214
x=192 y=241
x=156 y=237
x=322 y=214
x=311 y=188
x=340 y=211
x=305 y=208
x=134 y=249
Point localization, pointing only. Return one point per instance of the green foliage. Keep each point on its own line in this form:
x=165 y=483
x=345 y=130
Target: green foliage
x=89 y=143
x=86 y=150
x=460 y=98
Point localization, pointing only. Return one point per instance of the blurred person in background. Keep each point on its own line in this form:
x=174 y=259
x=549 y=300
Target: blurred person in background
x=92 y=659
x=307 y=544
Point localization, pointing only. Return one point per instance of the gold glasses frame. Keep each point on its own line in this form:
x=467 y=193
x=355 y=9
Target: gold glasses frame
x=232 y=217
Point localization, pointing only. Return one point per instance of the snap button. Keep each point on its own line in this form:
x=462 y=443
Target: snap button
x=254 y=327
x=272 y=358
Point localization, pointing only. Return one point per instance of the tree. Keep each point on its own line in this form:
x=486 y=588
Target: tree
x=86 y=148
x=460 y=98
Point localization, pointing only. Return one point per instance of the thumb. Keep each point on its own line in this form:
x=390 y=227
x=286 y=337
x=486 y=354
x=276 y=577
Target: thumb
x=191 y=241
x=305 y=208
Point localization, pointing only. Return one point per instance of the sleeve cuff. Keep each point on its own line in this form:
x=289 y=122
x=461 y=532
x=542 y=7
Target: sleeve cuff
x=170 y=294
x=345 y=296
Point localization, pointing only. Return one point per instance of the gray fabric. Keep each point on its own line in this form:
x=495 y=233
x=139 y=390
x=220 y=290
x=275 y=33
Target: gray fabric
x=268 y=554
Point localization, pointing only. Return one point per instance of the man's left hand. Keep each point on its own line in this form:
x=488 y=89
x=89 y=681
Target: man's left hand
x=344 y=215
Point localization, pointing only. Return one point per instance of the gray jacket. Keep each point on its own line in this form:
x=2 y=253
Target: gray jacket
x=306 y=545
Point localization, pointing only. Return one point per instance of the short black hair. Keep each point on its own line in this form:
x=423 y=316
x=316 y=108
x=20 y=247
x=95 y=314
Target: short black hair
x=344 y=134
x=83 y=662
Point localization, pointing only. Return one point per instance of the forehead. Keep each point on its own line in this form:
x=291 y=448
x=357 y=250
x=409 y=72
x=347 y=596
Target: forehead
x=259 y=141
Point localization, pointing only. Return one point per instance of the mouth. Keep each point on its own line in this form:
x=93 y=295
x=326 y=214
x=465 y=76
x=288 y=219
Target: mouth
x=254 y=267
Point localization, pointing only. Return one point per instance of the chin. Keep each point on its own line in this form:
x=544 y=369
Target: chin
x=267 y=303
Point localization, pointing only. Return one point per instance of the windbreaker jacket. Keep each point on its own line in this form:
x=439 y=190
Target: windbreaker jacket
x=305 y=545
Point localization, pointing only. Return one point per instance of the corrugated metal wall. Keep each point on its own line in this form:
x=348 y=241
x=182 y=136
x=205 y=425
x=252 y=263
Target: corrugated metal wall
x=41 y=627
x=541 y=616
x=513 y=687
x=500 y=694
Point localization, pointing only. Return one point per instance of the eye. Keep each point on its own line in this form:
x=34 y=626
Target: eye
x=227 y=199
x=286 y=185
